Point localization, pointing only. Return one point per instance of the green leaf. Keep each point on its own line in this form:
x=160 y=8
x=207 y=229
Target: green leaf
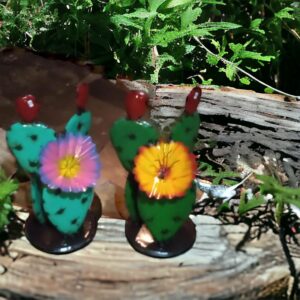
x=120 y=20
x=207 y=81
x=211 y=59
x=7 y=188
x=175 y=3
x=189 y=49
x=245 y=80
x=285 y=13
x=164 y=37
x=268 y=90
x=216 y=44
x=250 y=204
x=200 y=32
x=224 y=207
x=230 y=71
x=155 y=4
x=255 y=26
x=140 y=14
x=281 y=194
x=241 y=53
x=216 y=2
x=189 y=16
x=213 y=26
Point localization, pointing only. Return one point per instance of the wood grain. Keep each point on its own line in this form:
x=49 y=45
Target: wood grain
x=246 y=127
x=109 y=269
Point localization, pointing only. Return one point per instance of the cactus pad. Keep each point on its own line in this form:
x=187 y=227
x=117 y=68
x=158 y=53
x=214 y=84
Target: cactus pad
x=80 y=123
x=67 y=211
x=128 y=136
x=26 y=142
x=36 y=196
x=165 y=217
x=185 y=130
x=131 y=190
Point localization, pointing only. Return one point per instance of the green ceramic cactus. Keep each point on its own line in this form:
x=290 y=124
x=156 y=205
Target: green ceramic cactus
x=185 y=130
x=128 y=136
x=164 y=217
x=26 y=142
x=79 y=123
x=63 y=169
x=36 y=189
x=131 y=190
x=66 y=211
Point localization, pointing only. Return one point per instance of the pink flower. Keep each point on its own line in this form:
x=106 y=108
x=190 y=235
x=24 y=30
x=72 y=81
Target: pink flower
x=70 y=163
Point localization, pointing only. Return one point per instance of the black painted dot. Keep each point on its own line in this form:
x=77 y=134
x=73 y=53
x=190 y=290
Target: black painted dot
x=57 y=192
x=33 y=137
x=34 y=163
x=18 y=147
x=132 y=136
x=74 y=221
x=177 y=218
x=165 y=231
x=151 y=142
x=60 y=211
x=119 y=149
x=187 y=129
x=84 y=199
x=79 y=125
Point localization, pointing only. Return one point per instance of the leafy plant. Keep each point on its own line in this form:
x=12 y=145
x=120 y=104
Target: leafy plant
x=7 y=188
x=282 y=195
x=153 y=39
x=246 y=205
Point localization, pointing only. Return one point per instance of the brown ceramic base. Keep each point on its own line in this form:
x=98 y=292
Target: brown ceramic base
x=47 y=239
x=96 y=207
x=180 y=243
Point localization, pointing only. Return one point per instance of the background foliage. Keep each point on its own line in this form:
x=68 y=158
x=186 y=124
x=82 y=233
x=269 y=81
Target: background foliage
x=7 y=188
x=153 y=39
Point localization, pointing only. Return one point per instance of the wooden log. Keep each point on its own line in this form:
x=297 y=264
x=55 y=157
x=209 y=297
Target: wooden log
x=110 y=269
x=247 y=128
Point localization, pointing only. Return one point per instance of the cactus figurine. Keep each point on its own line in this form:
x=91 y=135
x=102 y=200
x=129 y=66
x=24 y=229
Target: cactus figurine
x=63 y=169
x=160 y=190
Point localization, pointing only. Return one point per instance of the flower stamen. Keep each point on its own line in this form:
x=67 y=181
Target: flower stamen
x=69 y=166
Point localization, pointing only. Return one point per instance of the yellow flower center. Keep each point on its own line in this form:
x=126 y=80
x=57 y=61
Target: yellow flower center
x=69 y=166
x=165 y=170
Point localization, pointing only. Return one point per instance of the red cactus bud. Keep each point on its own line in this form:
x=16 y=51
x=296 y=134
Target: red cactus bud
x=27 y=108
x=136 y=104
x=192 y=100
x=82 y=95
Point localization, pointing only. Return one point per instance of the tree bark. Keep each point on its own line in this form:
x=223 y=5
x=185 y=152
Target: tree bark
x=110 y=269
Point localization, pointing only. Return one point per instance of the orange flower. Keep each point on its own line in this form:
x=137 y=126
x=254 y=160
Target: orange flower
x=165 y=170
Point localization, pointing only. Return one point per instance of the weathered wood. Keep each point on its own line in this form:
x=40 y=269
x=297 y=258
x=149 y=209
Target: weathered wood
x=245 y=125
x=110 y=269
